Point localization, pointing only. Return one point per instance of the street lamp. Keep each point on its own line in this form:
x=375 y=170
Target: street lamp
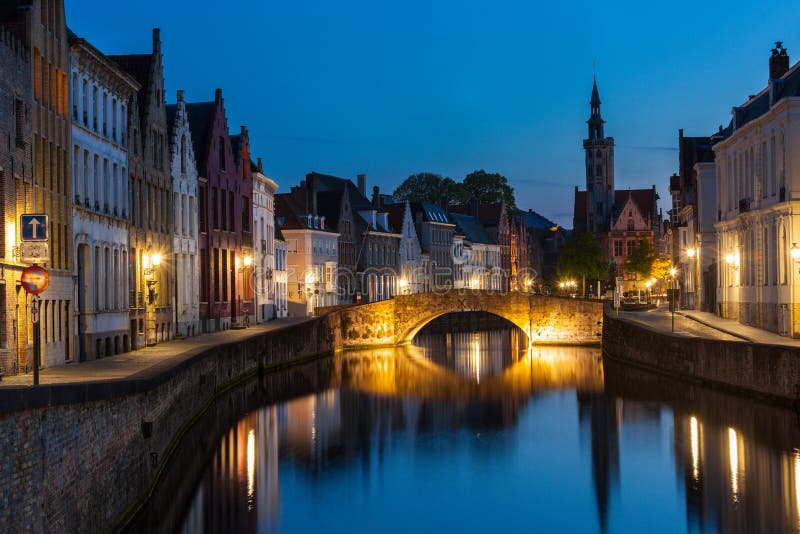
x=795 y=252
x=154 y=260
x=672 y=272
x=402 y=285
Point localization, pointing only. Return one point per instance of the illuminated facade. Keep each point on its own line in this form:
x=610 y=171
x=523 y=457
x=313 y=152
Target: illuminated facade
x=150 y=236
x=757 y=186
x=263 y=281
x=185 y=259
x=16 y=179
x=39 y=24
x=100 y=95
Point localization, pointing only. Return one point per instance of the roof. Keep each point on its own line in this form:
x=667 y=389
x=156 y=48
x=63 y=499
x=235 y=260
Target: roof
x=645 y=200
x=488 y=214
x=290 y=216
x=201 y=117
x=531 y=219
x=138 y=66
x=430 y=212
x=279 y=234
x=757 y=105
x=471 y=228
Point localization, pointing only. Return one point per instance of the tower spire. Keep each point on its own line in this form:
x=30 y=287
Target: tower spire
x=595 y=120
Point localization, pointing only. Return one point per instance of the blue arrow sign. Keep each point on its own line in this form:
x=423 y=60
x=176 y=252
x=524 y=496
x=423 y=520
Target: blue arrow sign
x=33 y=227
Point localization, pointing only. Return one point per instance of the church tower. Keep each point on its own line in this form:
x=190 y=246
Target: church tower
x=599 y=169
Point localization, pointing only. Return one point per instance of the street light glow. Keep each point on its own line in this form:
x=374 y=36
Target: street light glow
x=156 y=259
x=248 y=261
x=795 y=251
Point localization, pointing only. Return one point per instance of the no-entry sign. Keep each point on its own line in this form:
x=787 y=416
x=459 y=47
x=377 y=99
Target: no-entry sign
x=34 y=279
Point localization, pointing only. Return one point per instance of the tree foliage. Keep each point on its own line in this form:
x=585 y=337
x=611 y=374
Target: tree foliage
x=479 y=185
x=488 y=187
x=661 y=267
x=427 y=187
x=642 y=260
x=582 y=257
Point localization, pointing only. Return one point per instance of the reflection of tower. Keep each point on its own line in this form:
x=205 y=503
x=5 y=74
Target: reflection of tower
x=599 y=411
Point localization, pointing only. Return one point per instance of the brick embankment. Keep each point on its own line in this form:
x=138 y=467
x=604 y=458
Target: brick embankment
x=75 y=456
x=725 y=362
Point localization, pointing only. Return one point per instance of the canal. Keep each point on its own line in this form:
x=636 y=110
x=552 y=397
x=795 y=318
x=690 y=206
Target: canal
x=470 y=429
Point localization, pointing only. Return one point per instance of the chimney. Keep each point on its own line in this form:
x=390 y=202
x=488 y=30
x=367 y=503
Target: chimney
x=259 y=166
x=218 y=95
x=778 y=61
x=376 y=197
x=180 y=95
x=362 y=184
x=311 y=194
x=156 y=40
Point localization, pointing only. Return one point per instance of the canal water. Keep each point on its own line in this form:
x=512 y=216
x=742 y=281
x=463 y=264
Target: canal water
x=471 y=430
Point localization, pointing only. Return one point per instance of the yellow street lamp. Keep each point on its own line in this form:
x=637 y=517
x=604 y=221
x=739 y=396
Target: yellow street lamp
x=248 y=261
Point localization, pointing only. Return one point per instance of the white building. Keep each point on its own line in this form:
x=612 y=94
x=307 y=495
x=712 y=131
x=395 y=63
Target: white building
x=480 y=259
x=279 y=276
x=411 y=271
x=185 y=259
x=100 y=93
x=311 y=256
x=264 y=244
x=758 y=196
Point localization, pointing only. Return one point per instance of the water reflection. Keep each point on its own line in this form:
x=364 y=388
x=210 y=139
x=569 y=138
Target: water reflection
x=394 y=442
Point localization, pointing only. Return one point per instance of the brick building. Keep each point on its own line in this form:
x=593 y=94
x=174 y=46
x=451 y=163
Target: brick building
x=224 y=210
x=40 y=25
x=150 y=236
x=16 y=177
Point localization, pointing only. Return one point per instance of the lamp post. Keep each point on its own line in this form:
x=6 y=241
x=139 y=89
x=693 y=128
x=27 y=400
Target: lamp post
x=154 y=261
x=672 y=272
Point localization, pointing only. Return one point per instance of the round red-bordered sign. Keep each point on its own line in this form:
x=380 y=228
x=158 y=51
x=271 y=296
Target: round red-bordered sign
x=34 y=279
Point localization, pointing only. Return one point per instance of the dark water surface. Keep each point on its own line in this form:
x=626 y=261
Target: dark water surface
x=472 y=431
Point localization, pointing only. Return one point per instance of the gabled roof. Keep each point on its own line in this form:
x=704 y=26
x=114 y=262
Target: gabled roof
x=430 y=212
x=138 y=66
x=645 y=200
x=201 y=117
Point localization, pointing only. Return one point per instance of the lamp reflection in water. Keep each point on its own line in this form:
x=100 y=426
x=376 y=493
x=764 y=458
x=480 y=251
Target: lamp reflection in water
x=733 y=450
x=251 y=468
x=695 y=436
x=477 y=356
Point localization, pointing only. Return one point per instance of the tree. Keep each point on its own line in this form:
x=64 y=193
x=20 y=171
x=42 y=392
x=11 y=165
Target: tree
x=642 y=260
x=427 y=187
x=661 y=267
x=582 y=256
x=488 y=187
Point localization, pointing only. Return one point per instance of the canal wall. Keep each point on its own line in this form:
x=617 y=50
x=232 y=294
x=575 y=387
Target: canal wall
x=767 y=371
x=81 y=458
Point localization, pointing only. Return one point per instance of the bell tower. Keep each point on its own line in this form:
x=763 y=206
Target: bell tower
x=599 y=169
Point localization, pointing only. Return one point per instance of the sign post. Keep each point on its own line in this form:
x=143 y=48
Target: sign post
x=34 y=280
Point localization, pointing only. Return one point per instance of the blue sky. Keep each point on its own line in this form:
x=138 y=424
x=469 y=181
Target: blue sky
x=393 y=88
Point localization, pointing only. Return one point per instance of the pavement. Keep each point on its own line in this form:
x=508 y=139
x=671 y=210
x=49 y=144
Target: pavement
x=692 y=323
x=149 y=360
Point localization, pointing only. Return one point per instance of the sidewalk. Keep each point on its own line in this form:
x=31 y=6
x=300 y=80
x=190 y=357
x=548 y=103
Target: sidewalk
x=692 y=323
x=143 y=362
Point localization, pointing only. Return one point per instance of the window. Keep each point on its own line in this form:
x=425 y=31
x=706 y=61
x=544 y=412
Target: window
x=598 y=170
x=631 y=247
x=221 y=148
x=201 y=213
x=618 y=249
x=215 y=266
x=214 y=209
x=183 y=154
x=19 y=112
x=231 y=213
x=630 y=225
x=246 y=214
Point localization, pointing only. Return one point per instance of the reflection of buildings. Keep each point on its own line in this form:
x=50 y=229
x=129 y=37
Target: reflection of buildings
x=600 y=413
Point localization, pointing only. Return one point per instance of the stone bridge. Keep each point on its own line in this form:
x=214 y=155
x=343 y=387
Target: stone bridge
x=549 y=320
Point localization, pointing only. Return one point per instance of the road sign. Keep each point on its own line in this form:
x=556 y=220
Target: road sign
x=34 y=279
x=33 y=227
x=34 y=252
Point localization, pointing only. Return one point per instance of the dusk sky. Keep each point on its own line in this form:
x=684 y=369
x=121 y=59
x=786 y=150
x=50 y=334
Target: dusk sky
x=394 y=88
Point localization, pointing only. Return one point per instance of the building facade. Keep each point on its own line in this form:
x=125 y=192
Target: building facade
x=280 y=278
x=412 y=276
x=150 y=236
x=100 y=91
x=225 y=217
x=185 y=258
x=16 y=179
x=264 y=280
x=758 y=187
x=311 y=258
x=40 y=26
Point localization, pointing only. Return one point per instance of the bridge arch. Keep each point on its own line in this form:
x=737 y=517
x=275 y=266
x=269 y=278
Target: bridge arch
x=405 y=334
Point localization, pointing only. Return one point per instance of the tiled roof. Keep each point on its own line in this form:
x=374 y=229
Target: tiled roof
x=534 y=220
x=288 y=212
x=471 y=228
